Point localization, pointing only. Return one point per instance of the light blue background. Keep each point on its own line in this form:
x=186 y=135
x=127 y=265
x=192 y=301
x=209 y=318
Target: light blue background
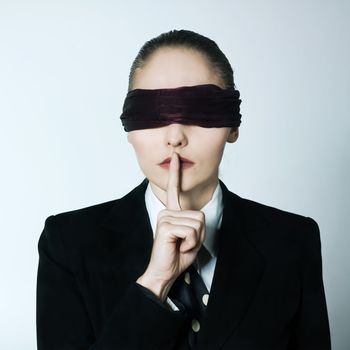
x=64 y=67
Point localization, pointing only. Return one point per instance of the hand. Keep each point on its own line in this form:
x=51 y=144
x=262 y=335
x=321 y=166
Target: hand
x=179 y=236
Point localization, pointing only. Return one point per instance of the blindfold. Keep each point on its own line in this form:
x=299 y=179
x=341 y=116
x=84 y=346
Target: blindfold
x=204 y=105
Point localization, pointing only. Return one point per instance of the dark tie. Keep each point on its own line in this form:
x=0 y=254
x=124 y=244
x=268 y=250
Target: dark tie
x=191 y=291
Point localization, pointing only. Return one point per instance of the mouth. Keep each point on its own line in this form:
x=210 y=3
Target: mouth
x=184 y=163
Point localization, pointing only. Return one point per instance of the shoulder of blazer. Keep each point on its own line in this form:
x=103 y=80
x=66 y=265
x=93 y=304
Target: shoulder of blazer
x=270 y=228
x=252 y=211
x=83 y=225
x=102 y=211
x=79 y=225
x=98 y=211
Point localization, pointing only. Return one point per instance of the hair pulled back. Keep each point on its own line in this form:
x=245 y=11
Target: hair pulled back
x=185 y=39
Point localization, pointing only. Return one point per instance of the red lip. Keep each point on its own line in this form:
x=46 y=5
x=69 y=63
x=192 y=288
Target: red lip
x=182 y=160
x=184 y=163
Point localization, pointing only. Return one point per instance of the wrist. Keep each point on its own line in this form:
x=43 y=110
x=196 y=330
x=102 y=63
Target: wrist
x=158 y=287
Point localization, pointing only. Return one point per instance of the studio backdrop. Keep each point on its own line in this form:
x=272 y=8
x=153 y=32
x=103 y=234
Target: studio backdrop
x=64 y=69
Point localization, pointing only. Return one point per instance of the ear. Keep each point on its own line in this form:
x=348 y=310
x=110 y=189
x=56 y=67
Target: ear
x=233 y=135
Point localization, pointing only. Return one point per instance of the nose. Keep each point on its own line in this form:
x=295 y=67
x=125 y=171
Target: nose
x=175 y=135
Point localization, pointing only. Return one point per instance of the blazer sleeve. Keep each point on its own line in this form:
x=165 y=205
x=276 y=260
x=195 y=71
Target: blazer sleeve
x=311 y=331
x=138 y=321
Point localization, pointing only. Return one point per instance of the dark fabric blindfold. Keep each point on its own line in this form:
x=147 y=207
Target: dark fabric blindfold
x=204 y=105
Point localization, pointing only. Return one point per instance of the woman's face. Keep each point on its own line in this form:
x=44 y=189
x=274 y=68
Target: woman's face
x=171 y=68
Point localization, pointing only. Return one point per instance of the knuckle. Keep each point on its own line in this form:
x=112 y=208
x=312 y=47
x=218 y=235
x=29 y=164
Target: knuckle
x=199 y=226
x=163 y=226
x=192 y=233
x=160 y=221
x=198 y=215
x=160 y=216
x=191 y=240
x=201 y=215
x=162 y=213
x=196 y=227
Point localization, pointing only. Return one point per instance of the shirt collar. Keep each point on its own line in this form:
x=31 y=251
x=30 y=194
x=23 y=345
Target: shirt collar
x=212 y=211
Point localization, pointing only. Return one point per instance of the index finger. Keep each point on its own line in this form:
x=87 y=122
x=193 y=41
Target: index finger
x=173 y=187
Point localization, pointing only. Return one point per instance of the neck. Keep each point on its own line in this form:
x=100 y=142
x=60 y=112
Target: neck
x=194 y=199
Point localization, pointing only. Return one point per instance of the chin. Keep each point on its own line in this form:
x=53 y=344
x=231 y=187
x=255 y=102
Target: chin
x=191 y=184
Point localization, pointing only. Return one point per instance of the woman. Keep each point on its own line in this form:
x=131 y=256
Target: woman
x=181 y=262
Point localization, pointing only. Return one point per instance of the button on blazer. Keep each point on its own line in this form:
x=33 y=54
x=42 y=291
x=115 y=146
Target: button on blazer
x=267 y=291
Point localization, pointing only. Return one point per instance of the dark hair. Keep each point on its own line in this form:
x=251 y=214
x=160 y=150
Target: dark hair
x=187 y=39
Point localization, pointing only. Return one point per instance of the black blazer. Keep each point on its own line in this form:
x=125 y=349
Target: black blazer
x=267 y=291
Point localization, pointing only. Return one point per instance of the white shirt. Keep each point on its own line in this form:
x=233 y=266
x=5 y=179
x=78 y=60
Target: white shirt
x=213 y=217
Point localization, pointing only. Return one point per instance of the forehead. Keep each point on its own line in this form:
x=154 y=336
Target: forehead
x=174 y=67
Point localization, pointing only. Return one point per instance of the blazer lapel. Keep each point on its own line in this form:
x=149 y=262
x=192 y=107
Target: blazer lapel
x=129 y=220
x=237 y=273
x=239 y=264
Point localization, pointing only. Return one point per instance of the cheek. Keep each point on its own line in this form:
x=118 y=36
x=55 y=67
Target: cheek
x=215 y=155
x=144 y=146
x=141 y=141
x=212 y=144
